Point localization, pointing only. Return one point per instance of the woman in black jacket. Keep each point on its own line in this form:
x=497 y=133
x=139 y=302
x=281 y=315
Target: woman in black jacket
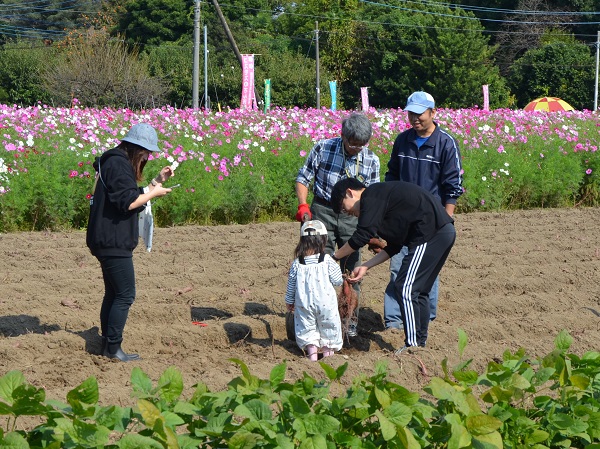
x=113 y=229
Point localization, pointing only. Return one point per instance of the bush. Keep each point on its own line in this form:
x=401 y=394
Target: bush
x=100 y=71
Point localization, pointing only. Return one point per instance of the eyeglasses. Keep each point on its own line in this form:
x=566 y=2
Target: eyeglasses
x=354 y=147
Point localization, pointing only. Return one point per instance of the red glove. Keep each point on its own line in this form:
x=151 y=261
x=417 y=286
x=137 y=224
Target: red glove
x=303 y=209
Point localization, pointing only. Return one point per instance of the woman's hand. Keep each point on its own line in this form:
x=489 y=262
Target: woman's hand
x=165 y=173
x=159 y=191
x=357 y=274
x=290 y=307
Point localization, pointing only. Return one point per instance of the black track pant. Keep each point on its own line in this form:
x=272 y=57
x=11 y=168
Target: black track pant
x=416 y=276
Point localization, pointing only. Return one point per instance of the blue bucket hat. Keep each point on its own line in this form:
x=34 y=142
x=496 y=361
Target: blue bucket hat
x=419 y=102
x=143 y=135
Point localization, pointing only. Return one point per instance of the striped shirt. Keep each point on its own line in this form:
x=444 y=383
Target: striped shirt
x=335 y=274
x=328 y=163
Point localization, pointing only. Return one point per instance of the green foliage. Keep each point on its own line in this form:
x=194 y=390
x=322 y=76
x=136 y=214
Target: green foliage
x=21 y=72
x=49 y=198
x=445 y=54
x=519 y=402
x=172 y=63
x=154 y=22
x=558 y=69
x=259 y=186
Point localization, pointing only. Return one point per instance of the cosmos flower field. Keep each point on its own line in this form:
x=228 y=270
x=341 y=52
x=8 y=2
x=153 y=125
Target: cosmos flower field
x=240 y=166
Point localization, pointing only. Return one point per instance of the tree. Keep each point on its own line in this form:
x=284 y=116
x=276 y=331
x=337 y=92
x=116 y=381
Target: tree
x=172 y=63
x=43 y=19
x=562 y=69
x=435 y=49
x=152 y=22
x=21 y=67
x=99 y=71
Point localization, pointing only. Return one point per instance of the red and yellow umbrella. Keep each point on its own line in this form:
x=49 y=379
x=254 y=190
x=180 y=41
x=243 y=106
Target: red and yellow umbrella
x=549 y=104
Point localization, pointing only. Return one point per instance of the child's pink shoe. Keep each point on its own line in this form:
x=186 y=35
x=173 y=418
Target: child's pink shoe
x=311 y=352
x=327 y=352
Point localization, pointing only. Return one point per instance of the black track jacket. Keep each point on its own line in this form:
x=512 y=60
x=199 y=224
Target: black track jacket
x=402 y=213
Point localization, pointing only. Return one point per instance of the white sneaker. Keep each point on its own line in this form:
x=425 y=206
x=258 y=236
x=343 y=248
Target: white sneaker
x=352 y=331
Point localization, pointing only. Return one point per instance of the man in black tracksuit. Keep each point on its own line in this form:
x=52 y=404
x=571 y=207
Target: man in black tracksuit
x=403 y=214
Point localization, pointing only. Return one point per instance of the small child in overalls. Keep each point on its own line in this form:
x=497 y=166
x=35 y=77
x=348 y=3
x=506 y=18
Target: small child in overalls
x=311 y=294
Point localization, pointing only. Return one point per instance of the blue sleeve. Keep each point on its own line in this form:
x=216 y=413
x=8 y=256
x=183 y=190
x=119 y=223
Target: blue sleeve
x=375 y=175
x=308 y=171
x=451 y=176
x=393 y=172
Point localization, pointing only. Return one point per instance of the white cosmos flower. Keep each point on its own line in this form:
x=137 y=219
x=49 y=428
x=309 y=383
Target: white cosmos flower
x=483 y=178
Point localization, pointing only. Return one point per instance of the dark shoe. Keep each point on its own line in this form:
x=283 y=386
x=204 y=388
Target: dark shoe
x=104 y=350
x=119 y=354
x=402 y=350
x=409 y=350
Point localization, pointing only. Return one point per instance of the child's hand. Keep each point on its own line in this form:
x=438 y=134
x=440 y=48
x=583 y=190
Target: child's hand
x=290 y=307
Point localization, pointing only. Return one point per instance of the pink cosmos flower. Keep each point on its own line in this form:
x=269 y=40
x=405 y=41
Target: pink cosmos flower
x=588 y=171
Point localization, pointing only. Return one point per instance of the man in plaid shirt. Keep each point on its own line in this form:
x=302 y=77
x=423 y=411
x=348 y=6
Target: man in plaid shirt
x=329 y=161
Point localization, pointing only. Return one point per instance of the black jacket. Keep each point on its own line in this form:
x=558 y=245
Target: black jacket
x=403 y=213
x=113 y=230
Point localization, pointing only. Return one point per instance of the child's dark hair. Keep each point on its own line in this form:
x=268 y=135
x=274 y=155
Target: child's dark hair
x=309 y=245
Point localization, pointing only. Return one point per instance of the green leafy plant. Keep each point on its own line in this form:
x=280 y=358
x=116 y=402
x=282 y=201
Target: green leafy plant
x=519 y=402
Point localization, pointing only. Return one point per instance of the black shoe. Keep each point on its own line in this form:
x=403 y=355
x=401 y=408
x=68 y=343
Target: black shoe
x=119 y=354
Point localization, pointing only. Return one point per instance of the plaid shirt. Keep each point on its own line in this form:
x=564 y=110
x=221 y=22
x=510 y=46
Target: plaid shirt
x=327 y=163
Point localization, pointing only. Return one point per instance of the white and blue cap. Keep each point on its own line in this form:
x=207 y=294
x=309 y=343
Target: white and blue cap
x=143 y=135
x=313 y=227
x=419 y=102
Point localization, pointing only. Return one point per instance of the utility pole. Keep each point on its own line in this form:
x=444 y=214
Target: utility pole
x=196 y=54
x=206 y=99
x=232 y=42
x=597 y=64
x=317 y=61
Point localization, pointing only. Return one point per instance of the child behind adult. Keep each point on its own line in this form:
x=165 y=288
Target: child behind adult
x=311 y=294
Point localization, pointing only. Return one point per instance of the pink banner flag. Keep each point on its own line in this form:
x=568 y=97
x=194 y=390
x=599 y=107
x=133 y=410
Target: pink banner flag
x=365 y=98
x=486 y=97
x=248 y=98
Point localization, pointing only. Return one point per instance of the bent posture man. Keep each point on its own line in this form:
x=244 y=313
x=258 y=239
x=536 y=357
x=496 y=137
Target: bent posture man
x=404 y=214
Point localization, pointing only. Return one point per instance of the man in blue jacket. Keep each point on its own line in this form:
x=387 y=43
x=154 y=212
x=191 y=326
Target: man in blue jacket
x=428 y=156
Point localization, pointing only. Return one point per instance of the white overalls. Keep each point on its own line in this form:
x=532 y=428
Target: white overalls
x=316 y=315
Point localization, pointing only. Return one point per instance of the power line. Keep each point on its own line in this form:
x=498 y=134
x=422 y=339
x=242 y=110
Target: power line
x=481 y=19
x=505 y=11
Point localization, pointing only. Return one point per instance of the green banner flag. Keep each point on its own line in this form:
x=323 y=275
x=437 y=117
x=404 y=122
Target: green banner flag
x=267 y=95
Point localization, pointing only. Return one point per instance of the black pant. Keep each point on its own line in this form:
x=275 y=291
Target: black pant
x=415 y=278
x=119 y=294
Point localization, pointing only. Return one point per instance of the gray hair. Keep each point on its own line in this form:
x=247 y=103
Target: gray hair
x=357 y=127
